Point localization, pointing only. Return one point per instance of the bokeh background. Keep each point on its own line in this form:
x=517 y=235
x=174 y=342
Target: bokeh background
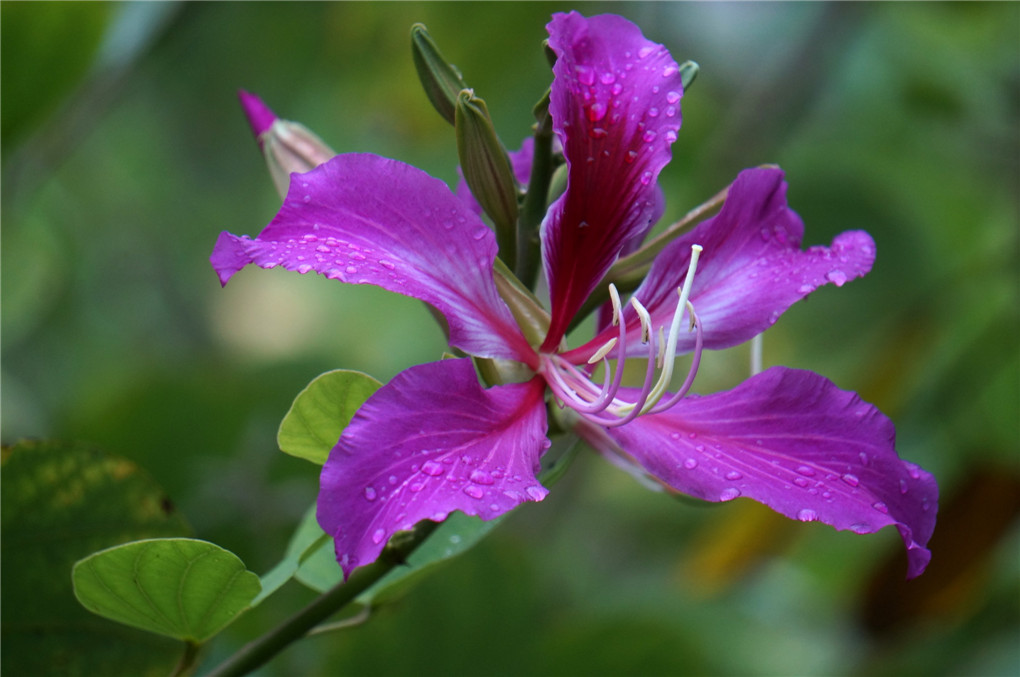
x=125 y=154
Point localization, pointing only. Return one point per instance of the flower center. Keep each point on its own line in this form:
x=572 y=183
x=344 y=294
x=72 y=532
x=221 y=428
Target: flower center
x=607 y=405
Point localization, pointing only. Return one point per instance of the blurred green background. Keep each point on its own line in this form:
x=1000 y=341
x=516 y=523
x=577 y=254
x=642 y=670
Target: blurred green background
x=125 y=154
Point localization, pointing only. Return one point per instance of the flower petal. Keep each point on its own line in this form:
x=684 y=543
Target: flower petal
x=365 y=219
x=751 y=270
x=792 y=440
x=430 y=442
x=615 y=107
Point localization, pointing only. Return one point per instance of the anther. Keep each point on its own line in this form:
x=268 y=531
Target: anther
x=603 y=351
x=646 y=320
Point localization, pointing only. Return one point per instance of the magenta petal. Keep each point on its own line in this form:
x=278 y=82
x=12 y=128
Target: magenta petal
x=430 y=442
x=615 y=105
x=751 y=270
x=794 y=441
x=260 y=117
x=365 y=219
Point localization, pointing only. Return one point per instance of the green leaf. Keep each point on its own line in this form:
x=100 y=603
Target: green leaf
x=320 y=571
x=61 y=502
x=321 y=412
x=179 y=587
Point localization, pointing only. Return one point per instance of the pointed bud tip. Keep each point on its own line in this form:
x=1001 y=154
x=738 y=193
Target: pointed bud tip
x=260 y=117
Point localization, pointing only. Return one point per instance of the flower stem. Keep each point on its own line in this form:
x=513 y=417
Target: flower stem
x=534 y=205
x=261 y=650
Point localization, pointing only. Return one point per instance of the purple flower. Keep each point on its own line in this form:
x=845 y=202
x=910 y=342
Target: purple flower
x=434 y=440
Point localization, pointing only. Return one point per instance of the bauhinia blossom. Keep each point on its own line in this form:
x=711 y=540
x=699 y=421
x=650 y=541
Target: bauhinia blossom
x=434 y=440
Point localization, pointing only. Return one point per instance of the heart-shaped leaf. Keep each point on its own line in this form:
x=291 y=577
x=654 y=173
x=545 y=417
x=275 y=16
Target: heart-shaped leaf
x=321 y=412
x=179 y=587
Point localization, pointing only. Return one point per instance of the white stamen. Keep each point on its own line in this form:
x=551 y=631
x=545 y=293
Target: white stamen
x=603 y=351
x=674 y=331
x=614 y=296
x=646 y=319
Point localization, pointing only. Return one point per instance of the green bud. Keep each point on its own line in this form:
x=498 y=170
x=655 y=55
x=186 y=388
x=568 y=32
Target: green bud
x=487 y=170
x=291 y=147
x=441 y=80
x=688 y=71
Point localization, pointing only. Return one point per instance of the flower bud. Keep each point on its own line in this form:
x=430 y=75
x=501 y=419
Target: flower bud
x=688 y=71
x=487 y=169
x=287 y=146
x=441 y=80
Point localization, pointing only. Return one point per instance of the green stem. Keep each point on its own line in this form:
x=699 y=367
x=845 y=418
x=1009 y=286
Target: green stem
x=534 y=206
x=261 y=650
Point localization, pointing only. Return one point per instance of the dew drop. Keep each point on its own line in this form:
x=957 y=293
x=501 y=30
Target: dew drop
x=387 y=264
x=392 y=479
x=535 y=493
x=597 y=111
x=494 y=507
x=881 y=507
x=370 y=493
x=304 y=268
x=473 y=491
x=806 y=471
x=864 y=458
x=851 y=479
x=607 y=78
x=903 y=487
x=860 y=528
x=378 y=536
x=645 y=51
x=630 y=157
x=653 y=112
x=481 y=477
x=432 y=468
x=836 y=277
x=351 y=270
x=646 y=178
x=807 y=515
x=307 y=199
x=672 y=97
x=733 y=476
x=691 y=463
x=729 y=494
x=800 y=482
x=670 y=70
x=416 y=486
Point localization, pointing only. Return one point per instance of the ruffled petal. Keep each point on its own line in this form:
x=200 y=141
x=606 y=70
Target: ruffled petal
x=792 y=440
x=751 y=270
x=364 y=219
x=615 y=105
x=430 y=442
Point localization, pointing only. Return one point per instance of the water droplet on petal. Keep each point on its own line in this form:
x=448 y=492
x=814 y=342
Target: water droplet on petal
x=836 y=277
x=432 y=468
x=535 y=493
x=691 y=463
x=903 y=487
x=473 y=491
x=800 y=482
x=607 y=78
x=672 y=97
x=597 y=111
x=861 y=528
x=729 y=494
x=378 y=536
x=370 y=493
x=733 y=476
x=881 y=507
x=481 y=477
x=806 y=471
x=851 y=479
x=807 y=515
